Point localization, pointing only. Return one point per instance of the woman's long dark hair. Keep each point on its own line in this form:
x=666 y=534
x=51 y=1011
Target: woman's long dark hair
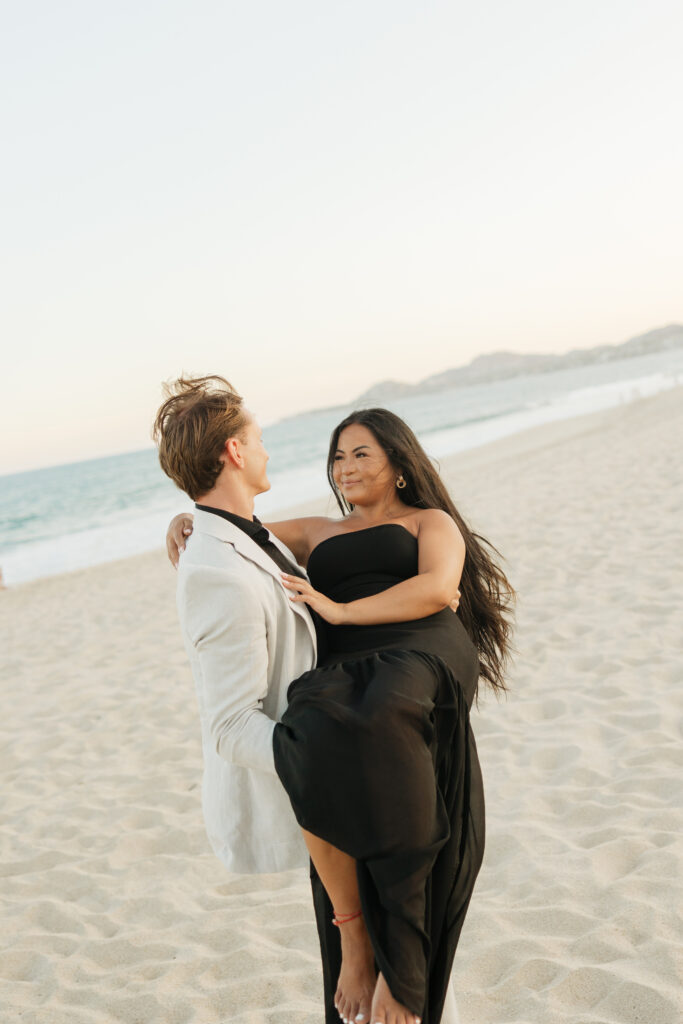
x=486 y=593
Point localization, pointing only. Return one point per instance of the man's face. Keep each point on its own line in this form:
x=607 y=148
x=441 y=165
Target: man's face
x=255 y=456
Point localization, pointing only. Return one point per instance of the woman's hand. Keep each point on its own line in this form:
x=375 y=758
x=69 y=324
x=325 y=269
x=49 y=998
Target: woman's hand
x=456 y=601
x=301 y=590
x=179 y=529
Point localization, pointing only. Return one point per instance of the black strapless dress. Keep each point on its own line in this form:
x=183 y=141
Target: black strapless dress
x=377 y=755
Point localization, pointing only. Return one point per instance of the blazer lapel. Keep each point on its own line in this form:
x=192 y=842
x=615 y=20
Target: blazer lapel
x=223 y=529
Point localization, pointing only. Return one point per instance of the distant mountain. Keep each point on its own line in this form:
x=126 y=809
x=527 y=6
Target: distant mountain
x=500 y=365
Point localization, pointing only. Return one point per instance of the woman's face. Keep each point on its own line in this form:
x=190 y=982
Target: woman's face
x=361 y=470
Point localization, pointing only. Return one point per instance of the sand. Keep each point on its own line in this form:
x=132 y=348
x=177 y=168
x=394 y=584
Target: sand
x=114 y=908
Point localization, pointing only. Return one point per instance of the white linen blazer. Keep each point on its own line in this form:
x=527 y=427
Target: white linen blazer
x=246 y=642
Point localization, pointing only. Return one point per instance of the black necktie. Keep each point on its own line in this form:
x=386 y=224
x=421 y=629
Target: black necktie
x=263 y=540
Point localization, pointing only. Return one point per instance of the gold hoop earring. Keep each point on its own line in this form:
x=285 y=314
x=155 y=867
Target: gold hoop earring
x=400 y=483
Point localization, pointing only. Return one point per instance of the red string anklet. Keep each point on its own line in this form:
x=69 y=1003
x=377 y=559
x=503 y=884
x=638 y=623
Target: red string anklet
x=343 y=918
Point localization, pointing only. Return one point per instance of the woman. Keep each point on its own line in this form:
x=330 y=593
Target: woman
x=375 y=748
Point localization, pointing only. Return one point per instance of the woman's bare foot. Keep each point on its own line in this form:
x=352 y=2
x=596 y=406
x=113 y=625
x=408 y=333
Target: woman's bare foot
x=357 y=976
x=385 y=1009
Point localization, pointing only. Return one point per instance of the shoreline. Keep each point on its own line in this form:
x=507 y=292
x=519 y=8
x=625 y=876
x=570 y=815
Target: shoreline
x=117 y=911
x=512 y=446
x=131 y=529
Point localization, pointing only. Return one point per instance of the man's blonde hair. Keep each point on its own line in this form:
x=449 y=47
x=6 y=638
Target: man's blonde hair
x=197 y=417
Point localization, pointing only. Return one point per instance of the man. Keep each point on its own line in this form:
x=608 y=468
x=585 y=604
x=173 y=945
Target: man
x=245 y=639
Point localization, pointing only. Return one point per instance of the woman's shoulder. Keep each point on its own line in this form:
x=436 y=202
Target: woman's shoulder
x=436 y=520
x=432 y=516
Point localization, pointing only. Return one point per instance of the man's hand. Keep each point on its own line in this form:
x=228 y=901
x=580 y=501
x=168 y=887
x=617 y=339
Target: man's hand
x=179 y=529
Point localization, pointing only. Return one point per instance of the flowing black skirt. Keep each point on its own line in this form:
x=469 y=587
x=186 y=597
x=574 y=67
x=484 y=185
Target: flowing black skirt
x=378 y=758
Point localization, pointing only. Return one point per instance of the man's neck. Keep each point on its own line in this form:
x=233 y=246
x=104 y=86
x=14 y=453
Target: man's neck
x=228 y=500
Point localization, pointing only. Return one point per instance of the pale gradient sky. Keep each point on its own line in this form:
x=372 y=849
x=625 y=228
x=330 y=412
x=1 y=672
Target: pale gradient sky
x=311 y=197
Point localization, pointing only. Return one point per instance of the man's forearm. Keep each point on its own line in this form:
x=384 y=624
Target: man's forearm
x=246 y=739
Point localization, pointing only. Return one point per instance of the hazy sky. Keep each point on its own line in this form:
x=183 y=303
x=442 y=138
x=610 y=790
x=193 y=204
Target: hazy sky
x=310 y=197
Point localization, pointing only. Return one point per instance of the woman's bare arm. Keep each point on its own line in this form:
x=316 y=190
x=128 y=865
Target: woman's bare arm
x=441 y=558
x=299 y=535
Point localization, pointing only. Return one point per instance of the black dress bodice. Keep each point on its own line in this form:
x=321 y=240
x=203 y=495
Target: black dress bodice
x=377 y=557
x=350 y=566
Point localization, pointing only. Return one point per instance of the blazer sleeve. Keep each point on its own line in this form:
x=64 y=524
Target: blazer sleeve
x=226 y=625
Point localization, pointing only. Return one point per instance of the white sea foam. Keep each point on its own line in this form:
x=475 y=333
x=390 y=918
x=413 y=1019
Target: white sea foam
x=579 y=402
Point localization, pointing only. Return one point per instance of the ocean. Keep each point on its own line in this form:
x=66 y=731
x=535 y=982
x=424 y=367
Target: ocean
x=67 y=517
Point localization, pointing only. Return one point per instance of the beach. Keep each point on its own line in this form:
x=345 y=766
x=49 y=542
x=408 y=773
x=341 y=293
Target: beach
x=116 y=910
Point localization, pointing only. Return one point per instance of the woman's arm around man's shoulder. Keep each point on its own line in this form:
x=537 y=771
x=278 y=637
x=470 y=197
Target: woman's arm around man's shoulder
x=300 y=535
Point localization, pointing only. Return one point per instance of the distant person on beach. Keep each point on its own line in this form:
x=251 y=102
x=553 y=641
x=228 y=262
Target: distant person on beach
x=371 y=750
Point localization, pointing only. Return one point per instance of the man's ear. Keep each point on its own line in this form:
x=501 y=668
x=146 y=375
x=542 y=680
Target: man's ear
x=232 y=454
